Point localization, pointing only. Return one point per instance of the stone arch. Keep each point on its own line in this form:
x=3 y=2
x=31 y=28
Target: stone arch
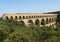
x=16 y=17
x=22 y=22
x=26 y=16
x=7 y=17
x=50 y=20
x=19 y=17
x=29 y=16
x=53 y=25
x=23 y=17
x=34 y=16
x=47 y=21
x=37 y=22
x=50 y=25
x=30 y=21
x=42 y=22
x=11 y=17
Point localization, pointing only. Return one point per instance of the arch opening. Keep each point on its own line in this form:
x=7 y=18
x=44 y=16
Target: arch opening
x=11 y=17
x=26 y=16
x=37 y=22
x=53 y=25
x=47 y=21
x=34 y=16
x=50 y=20
x=29 y=16
x=21 y=22
x=23 y=17
x=6 y=17
x=16 y=17
x=19 y=17
x=50 y=26
x=30 y=22
x=42 y=22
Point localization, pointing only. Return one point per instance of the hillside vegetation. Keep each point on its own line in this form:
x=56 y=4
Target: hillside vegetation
x=13 y=31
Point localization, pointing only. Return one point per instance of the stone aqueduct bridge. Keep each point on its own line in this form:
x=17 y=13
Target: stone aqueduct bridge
x=33 y=18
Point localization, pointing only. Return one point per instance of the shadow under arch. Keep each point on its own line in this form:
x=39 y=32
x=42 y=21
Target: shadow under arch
x=23 y=17
x=50 y=25
x=21 y=22
x=11 y=17
x=53 y=25
x=6 y=18
x=30 y=23
x=37 y=22
x=50 y=20
x=47 y=21
x=42 y=22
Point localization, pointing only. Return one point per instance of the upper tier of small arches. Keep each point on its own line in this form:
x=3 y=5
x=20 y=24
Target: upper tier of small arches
x=23 y=17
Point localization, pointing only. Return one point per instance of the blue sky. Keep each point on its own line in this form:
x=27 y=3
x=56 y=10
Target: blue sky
x=28 y=6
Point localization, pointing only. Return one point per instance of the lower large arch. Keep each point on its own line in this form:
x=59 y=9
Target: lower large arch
x=22 y=22
x=30 y=21
x=47 y=21
x=6 y=17
x=37 y=22
x=52 y=25
x=42 y=22
x=11 y=17
x=50 y=20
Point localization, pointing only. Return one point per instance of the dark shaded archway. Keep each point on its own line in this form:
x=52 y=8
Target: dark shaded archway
x=30 y=21
x=19 y=17
x=22 y=22
x=34 y=17
x=6 y=17
x=26 y=17
x=29 y=16
x=50 y=26
x=42 y=22
x=37 y=22
x=50 y=20
x=23 y=17
x=16 y=17
x=11 y=17
x=47 y=21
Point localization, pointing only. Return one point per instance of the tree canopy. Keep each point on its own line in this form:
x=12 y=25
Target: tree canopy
x=13 y=31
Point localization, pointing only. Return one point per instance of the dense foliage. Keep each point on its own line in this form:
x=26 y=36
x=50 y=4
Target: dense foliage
x=13 y=31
